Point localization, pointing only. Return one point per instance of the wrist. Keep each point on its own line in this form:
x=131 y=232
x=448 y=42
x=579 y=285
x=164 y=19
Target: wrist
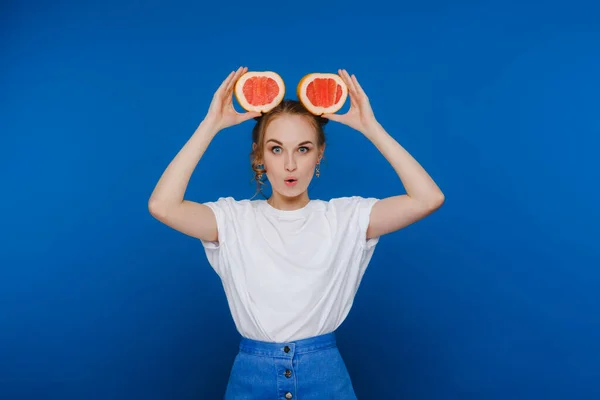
x=372 y=128
x=209 y=126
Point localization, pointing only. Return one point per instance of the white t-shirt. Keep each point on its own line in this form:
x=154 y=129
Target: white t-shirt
x=290 y=275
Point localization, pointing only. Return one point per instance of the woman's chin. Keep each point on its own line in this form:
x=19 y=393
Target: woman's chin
x=291 y=191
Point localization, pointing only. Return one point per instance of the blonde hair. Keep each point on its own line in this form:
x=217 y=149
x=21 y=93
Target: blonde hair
x=290 y=107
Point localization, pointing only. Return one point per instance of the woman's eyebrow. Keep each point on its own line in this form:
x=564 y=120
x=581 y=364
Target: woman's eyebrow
x=279 y=143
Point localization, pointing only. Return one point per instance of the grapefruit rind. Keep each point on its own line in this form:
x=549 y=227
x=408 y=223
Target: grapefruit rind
x=301 y=92
x=263 y=108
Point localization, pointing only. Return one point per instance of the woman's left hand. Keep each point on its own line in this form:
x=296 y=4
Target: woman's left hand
x=360 y=116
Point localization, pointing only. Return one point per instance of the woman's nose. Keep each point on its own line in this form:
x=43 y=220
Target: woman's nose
x=290 y=163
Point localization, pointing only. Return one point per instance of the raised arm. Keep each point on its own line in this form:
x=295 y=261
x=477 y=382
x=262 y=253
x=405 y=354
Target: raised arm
x=422 y=197
x=167 y=203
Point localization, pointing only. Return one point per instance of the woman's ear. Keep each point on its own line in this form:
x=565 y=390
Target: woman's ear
x=321 y=153
x=254 y=146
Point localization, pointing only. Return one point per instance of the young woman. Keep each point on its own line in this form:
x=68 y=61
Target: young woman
x=290 y=265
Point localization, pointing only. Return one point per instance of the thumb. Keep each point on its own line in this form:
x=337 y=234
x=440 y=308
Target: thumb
x=332 y=117
x=248 y=115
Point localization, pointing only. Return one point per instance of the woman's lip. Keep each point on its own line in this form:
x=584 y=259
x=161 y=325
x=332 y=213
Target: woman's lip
x=291 y=183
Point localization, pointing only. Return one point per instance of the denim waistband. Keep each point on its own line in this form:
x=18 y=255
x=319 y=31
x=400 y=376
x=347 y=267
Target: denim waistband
x=288 y=349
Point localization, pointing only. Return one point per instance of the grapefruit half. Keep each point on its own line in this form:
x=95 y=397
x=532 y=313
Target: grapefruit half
x=322 y=93
x=259 y=91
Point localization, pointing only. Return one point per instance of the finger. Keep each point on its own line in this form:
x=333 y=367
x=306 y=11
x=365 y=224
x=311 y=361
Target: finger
x=358 y=86
x=349 y=83
x=234 y=79
x=243 y=117
x=334 y=117
x=342 y=75
x=221 y=89
x=225 y=82
x=351 y=89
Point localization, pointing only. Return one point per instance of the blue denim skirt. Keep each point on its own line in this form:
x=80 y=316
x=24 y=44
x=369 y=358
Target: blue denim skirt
x=307 y=369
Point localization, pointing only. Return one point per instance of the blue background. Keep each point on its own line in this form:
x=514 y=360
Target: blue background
x=495 y=296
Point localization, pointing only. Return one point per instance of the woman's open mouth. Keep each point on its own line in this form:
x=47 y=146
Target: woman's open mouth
x=291 y=182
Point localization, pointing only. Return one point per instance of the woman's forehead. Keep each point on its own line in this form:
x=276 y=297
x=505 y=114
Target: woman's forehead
x=290 y=129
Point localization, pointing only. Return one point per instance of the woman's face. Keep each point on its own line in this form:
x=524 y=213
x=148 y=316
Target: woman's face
x=290 y=154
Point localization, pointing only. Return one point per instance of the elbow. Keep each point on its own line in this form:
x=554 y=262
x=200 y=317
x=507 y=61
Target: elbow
x=156 y=208
x=441 y=199
x=436 y=201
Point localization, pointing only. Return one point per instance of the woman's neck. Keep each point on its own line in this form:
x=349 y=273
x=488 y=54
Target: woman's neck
x=288 y=203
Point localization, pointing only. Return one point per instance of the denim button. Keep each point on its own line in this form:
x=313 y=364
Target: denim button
x=288 y=373
x=288 y=395
x=286 y=349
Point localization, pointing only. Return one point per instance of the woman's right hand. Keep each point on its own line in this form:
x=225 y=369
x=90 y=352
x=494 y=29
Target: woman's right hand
x=221 y=113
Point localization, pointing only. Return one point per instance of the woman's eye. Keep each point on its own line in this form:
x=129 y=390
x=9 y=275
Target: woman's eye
x=303 y=149
x=276 y=149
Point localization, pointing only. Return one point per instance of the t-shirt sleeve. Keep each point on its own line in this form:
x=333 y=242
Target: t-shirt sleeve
x=365 y=206
x=223 y=209
x=353 y=215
